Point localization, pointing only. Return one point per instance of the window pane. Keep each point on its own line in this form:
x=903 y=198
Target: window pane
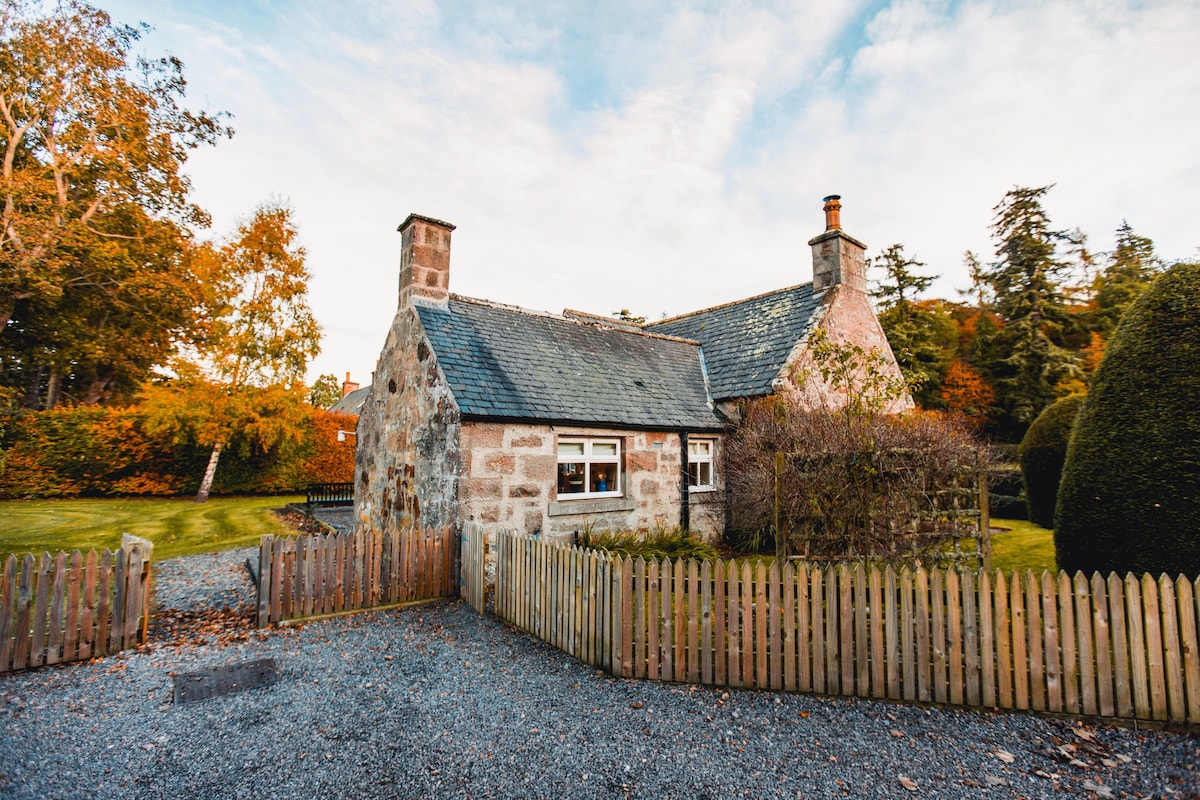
x=570 y=448
x=700 y=473
x=571 y=478
x=604 y=477
x=604 y=448
x=700 y=448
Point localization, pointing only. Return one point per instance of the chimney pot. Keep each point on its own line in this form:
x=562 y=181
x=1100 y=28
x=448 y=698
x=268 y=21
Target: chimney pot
x=833 y=212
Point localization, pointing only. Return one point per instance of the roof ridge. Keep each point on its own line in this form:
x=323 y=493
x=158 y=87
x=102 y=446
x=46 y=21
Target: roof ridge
x=730 y=304
x=595 y=321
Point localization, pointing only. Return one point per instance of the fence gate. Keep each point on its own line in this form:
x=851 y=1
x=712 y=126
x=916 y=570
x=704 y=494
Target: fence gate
x=312 y=576
x=473 y=556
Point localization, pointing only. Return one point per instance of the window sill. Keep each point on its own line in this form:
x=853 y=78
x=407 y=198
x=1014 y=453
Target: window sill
x=597 y=505
x=701 y=489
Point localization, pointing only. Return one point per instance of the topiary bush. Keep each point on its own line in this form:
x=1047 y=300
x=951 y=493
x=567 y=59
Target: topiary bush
x=1130 y=493
x=1042 y=453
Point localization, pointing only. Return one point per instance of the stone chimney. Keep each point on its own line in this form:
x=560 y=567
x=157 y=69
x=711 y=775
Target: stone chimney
x=424 y=259
x=838 y=259
x=348 y=386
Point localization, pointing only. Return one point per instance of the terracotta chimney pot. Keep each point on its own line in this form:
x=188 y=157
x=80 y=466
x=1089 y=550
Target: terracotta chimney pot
x=833 y=212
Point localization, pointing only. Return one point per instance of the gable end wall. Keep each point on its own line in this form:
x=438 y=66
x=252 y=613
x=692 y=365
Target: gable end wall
x=409 y=429
x=846 y=316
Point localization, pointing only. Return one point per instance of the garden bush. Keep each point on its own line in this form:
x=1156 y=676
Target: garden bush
x=1130 y=493
x=1006 y=492
x=1042 y=453
x=855 y=486
x=104 y=451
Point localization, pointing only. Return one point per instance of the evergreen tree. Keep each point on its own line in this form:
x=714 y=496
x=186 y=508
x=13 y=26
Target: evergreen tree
x=1026 y=279
x=901 y=285
x=1131 y=267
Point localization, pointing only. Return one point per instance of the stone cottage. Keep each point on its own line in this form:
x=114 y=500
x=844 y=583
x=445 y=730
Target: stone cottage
x=553 y=423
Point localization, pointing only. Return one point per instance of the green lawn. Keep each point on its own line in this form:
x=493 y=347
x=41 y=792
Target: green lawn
x=1023 y=546
x=178 y=527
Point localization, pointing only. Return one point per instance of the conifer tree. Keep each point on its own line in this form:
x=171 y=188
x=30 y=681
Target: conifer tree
x=1026 y=278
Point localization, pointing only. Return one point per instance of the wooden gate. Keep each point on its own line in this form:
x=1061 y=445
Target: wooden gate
x=472 y=571
x=311 y=576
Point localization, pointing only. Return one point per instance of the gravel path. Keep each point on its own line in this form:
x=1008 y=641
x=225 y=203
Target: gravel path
x=437 y=701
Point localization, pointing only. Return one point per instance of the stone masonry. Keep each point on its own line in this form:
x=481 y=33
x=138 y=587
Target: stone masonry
x=509 y=473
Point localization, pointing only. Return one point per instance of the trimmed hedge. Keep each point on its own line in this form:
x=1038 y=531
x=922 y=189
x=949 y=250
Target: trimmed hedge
x=1042 y=453
x=96 y=452
x=1130 y=493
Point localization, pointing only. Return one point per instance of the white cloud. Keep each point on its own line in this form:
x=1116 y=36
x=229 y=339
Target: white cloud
x=662 y=161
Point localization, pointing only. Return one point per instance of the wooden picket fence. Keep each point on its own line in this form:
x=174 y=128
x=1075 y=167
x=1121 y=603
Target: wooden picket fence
x=560 y=593
x=72 y=607
x=318 y=575
x=1099 y=646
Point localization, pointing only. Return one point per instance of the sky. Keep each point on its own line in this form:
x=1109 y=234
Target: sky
x=664 y=157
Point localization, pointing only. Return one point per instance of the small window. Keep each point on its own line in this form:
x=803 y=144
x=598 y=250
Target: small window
x=700 y=463
x=589 y=468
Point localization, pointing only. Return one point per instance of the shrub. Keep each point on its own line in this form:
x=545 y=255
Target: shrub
x=1130 y=493
x=1042 y=453
x=673 y=543
x=1007 y=506
x=107 y=451
x=878 y=486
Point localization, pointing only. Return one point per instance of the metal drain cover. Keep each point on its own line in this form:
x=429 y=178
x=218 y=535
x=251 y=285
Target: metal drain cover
x=217 y=681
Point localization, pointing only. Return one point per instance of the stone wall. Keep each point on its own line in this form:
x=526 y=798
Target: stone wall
x=509 y=478
x=407 y=462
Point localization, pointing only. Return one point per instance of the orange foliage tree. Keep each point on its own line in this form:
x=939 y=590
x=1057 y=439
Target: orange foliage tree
x=965 y=392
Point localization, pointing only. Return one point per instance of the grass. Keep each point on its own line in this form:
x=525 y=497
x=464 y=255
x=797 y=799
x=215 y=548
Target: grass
x=178 y=527
x=1023 y=546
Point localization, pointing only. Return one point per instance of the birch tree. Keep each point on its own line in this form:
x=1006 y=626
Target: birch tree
x=245 y=383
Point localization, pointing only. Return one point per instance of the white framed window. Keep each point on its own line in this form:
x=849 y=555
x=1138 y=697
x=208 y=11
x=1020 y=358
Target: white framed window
x=588 y=467
x=701 y=475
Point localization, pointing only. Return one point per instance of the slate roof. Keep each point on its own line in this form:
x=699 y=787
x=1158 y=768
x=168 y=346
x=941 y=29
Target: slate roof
x=510 y=363
x=352 y=403
x=746 y=342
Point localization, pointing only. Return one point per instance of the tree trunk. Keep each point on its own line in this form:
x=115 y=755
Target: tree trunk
x=209 y=472
x=96 y=390
x=53 y=389
x=33 y=391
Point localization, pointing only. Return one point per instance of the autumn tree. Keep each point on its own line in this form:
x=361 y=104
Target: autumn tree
x=92 y=192
x=245 y=383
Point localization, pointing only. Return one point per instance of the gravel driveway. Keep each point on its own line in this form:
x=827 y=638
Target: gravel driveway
x=437 y=701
